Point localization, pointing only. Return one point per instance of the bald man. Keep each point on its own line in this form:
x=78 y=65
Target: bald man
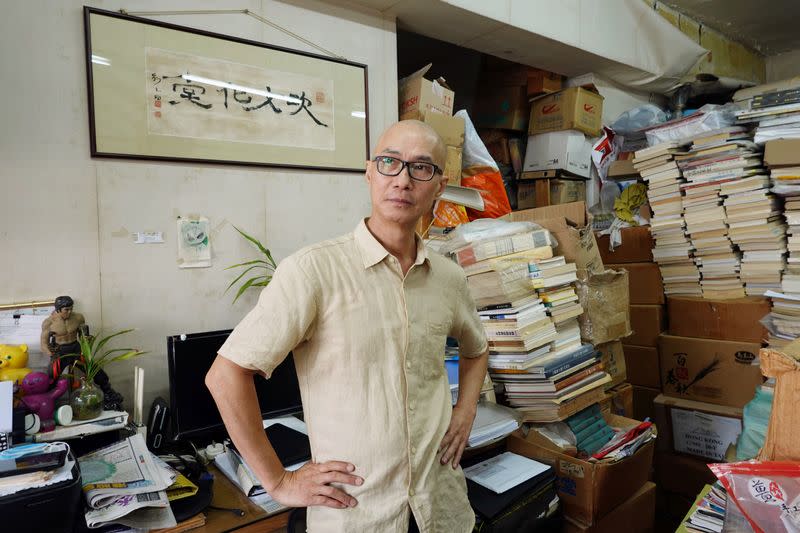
x=367 y=316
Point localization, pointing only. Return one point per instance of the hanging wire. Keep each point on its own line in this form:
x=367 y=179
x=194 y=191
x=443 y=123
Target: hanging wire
x=235 y=12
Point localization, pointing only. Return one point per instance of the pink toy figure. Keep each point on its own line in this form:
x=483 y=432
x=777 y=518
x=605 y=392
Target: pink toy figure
x=39 y=399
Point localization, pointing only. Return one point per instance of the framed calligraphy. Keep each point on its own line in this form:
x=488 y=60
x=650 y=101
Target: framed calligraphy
x=165 y=92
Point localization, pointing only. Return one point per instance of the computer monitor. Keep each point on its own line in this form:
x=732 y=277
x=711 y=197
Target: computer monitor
x=194 y=412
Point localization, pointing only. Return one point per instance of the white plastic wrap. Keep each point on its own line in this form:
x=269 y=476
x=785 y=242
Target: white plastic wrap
x=710 y=117
x=486 y=229
x=475 y=153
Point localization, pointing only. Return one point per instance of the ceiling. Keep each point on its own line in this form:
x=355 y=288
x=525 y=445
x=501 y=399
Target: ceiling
x=770 y=27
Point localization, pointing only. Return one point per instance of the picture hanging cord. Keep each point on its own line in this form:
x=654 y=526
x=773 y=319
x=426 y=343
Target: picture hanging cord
x=233 y=12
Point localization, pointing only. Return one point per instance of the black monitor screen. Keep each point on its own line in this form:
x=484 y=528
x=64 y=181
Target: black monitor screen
x=194 y=413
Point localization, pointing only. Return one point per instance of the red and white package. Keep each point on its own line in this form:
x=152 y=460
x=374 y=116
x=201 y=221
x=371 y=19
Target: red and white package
x=767 y=493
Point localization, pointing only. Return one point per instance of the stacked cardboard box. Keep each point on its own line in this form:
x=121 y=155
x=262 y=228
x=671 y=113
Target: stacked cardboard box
x=647 y=312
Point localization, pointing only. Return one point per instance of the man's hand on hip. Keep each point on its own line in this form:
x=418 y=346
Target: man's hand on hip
x=455 y=440
x=310 y=485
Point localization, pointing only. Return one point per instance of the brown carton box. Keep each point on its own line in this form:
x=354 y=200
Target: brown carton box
x=709 y=370
x=736 y=319
x=571 y=109
x=568 y=224
x=613 y=360
x=543 y=82
x=699 y=429
x=647 y=323
x=682 y=474
x=637 y=246
x=618 y=401
x=452 y=165
x=419 y=96
x=504 y=107
x=606 y=311
x=644 y=280
x=589 y=491
x=643 y=402
x=636 y=514
x=642 y=367
x=782 y=153
x=531 y=193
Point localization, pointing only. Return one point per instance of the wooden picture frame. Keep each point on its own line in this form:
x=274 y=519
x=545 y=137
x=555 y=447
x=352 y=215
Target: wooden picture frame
x=159 y=91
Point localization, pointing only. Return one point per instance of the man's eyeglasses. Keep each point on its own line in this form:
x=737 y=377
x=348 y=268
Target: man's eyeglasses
x=418 y=170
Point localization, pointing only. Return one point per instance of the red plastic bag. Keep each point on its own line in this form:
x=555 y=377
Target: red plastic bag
x=490 y=184
x=767 y=493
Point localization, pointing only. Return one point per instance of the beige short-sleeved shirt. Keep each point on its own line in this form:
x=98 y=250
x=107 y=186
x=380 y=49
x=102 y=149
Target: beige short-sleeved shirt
x=368 y=347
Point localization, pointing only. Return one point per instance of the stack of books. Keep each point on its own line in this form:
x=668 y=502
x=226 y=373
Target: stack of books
x=774 y=107
x=673 y=250
x=716 y=159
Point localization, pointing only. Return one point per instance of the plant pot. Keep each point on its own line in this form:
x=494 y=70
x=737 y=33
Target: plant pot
x=86 y=401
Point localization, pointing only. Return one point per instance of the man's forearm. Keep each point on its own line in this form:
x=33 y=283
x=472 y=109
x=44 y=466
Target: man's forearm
x=471 y=373
x=234 y=392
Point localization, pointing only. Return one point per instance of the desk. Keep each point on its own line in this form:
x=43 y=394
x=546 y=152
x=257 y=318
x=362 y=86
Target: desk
x=255 y=520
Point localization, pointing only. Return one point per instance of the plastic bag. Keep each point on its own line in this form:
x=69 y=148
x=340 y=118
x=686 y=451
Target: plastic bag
x=755 y=422
x=479 y=171
x=708 y=118
x=487 y=229
x=643 y=116
x=767 y=493
x=447 y=214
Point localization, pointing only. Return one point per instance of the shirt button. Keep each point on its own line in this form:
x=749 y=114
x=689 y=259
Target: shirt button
x=410 y=492
x=408 y=364
x=411 y=407
x=413 y=449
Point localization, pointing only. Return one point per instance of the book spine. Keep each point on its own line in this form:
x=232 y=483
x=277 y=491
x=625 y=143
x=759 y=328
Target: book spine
x=565 y=363
x=578 y=376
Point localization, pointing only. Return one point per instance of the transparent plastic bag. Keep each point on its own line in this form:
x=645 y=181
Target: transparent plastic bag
x=489 y=228
x=708 y=118
x=643 y=116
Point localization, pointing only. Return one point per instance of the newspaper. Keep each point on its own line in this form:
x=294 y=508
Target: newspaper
x=123 y=478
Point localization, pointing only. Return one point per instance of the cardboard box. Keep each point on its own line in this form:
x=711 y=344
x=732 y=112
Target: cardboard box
x=647 y=323
x=613 y=359
x=700 y=429
x=543 y=82
x=503 y=107
x=641 y=366
x=782 y=153
x=496 y=142
x=560 y=150
x=450 y=129
x=622 y=169
x=644 y=280
x=618 y=401
x=419 y=96
x=544 y=192
x=636 y=514
x=637 y=246
x=452 y=165
x=709 y=370
x=571 y=109
x=736 y=319
x=682 y=474
x=567 y=223
x=643 y=402
x=589 y=491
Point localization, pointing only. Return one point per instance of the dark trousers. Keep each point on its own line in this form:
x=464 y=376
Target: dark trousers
x=412 y=525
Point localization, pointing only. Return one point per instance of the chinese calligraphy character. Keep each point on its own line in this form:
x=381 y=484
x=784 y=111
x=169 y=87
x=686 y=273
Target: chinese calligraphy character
x=191 y=93
x=304 y=104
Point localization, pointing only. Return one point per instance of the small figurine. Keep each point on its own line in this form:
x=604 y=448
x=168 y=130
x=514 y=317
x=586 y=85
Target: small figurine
x=39 y=399
x=60 y=338
x=13 y=360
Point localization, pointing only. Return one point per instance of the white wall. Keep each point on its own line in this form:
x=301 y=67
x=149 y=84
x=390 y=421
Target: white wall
x=66 y=219
x=782 y=66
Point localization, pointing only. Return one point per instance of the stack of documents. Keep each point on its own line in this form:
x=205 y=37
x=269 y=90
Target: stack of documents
x=124 y=484
x=12 y=484
x=492 y=422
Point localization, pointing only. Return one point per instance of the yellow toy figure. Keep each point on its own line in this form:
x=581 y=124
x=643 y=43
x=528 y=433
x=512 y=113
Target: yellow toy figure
x=12 y=362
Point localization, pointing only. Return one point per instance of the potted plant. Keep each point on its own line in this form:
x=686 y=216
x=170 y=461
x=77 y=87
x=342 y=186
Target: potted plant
x=87 y=399
x=262 y=269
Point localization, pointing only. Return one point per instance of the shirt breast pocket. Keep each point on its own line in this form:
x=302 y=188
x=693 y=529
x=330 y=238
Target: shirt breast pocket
x=435 y=342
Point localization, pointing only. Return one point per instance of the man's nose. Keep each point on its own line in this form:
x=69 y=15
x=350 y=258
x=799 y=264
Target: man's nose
x=404 y=179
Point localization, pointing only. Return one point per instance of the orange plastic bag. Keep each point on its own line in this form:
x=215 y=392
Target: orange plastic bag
x=490 y=184
x=448 y=214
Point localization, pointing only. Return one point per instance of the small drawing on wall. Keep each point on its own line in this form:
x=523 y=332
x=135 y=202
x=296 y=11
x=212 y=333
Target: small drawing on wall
x=194 y=244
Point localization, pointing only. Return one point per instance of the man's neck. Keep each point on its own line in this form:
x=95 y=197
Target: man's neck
x=398 y=240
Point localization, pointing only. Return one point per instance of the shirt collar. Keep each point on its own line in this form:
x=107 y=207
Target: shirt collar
x=373 y=252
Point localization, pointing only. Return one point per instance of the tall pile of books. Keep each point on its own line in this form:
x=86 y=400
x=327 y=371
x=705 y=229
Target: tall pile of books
x=721 y=163
x=529 y=308
x=774 y=108
x=673 y=250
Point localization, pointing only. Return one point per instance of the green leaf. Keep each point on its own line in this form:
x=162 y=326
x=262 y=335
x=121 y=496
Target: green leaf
x=104 y=341
x=240 y=276
x=244 y=287
x=127 y=355
x=258 y=244
x=257 y=261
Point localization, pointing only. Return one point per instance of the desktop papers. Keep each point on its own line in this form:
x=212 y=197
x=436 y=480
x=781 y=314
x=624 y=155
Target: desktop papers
x=504 y=471
x=492 y=422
